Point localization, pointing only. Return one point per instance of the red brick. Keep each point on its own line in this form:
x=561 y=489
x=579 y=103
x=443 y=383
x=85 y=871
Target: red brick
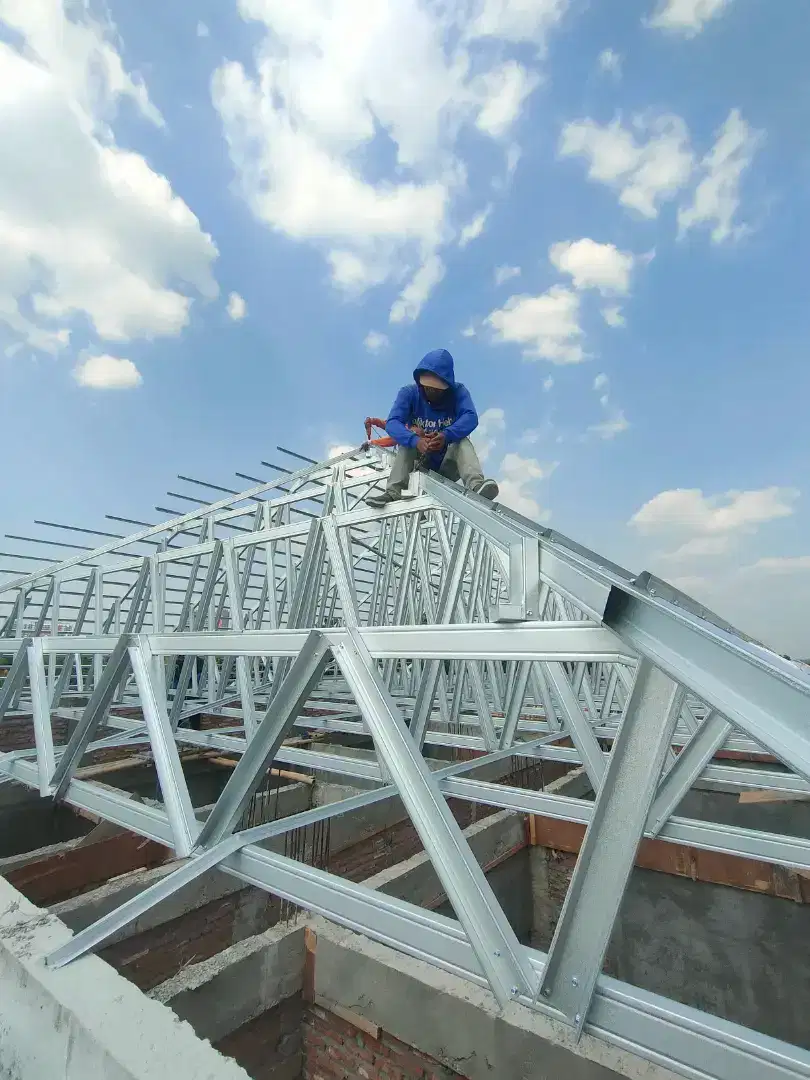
x=412 y=1063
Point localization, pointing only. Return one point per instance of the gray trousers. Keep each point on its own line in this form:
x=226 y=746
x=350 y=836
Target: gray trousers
x=460 y=463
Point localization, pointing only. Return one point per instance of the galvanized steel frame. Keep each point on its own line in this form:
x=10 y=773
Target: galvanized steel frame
x=529 y=640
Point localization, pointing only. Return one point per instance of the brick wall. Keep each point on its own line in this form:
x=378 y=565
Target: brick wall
x=17 y=733
x=149 y=958
x=335 y=1049
x=269 y=1047
x=395 y=844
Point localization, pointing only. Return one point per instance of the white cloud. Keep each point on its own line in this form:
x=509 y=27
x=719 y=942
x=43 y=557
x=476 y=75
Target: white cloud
x=616 y=423
x=473 y=229
x=517 y=476
x=647 y=172
x=545 y=326
x=107 y=373
x=237 y=308
x=517 y=21
x=506 y=273
x=548 y=382
x=374 y=341
x=87 y=230
x=610 y=63
x=717 y=198
x=613 y=316
x=686 y=17
x=468 y=331
x=593 y=266
x=503 y=93
x=338 y=450
x=353 y=273
x=781 y=565
x=407 y=306
x=328 y=83
x=700 y=547
x=490 y=424
x=689 y=511
x=202 y=30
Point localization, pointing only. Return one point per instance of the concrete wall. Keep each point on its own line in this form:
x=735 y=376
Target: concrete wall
x=511 y=882
x=791 y=818
x=736 y=954
x=84 y=1020
x=30 y=821
x=730 y=952
x=456 y=1022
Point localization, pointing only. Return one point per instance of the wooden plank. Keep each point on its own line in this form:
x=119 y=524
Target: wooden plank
x=766 y=795
x=310 y=946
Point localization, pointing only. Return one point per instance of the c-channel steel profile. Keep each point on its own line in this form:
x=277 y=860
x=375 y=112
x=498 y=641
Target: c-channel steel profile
x=608 y=851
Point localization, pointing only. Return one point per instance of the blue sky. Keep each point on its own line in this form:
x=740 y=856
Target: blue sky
x=369 y=185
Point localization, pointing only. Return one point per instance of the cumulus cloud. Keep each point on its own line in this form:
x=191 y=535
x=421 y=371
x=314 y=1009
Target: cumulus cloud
x=334 y=450
x=717 y=196
x=594 y=266
x=325 y=84
x=468 y=331
x=516 y=479
x=237 y=308
x=411 y=300
x=474 y=228
x=648 y=165
x=615 y=422
x=89 y=232
x=610 y=63
x=545 y=326
x=614 y=425
x=490 y=424
x=686 y=17
x=652 y=162
x=374 y=341
x=504 y=92
x=506 y=273
x=107 y=373
x=613 y=316
x=703 y=525
x=690 y=509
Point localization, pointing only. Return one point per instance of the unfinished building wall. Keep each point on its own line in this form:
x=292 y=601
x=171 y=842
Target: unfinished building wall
x=730 y=951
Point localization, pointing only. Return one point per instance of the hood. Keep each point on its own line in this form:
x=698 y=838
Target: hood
x=440 y=363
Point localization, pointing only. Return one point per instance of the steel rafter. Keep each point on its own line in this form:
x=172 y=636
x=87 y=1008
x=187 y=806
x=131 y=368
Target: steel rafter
x=440 y=621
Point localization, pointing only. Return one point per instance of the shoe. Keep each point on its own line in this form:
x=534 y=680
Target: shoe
x=488 y=490
x=377 y=502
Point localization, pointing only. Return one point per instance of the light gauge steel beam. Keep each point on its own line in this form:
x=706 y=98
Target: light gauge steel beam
x=443 y=621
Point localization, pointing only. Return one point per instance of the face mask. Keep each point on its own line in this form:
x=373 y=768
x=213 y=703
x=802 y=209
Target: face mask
x=433 y=395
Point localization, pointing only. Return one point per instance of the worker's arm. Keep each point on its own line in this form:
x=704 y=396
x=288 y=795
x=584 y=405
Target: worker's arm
x=400 y=416
x=466 y=420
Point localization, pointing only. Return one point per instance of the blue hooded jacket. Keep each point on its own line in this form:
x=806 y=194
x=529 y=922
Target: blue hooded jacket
x=455 y=417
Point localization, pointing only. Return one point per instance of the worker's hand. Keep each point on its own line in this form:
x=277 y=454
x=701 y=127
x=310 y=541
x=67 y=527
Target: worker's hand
x=437 y=442
x=423 y=445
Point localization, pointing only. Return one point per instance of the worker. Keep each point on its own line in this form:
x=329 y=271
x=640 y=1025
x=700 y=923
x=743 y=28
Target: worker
x=431 y=421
